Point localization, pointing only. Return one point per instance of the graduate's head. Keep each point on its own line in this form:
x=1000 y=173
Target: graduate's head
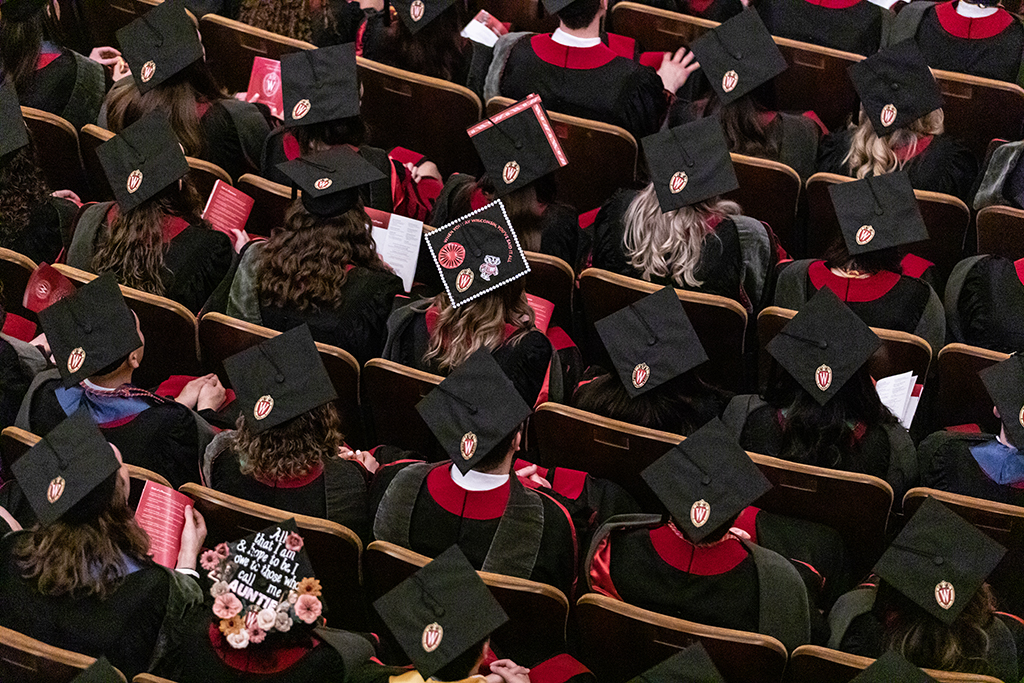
x=577 y=14
x=1004 y=382
x=316 y=137
x=120 y=370
x=22 y=185
x=24 y=25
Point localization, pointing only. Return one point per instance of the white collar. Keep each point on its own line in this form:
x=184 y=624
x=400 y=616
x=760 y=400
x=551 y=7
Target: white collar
x=97 y=387
x=563 y=38
x=970 y=11
x=477 y=481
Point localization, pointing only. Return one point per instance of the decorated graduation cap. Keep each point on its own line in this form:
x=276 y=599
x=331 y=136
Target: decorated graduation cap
x=13 y=132
x=705 y=481
x=440 y=612
x=895 y=87
x=416 y=14
x=90 y=329
x=878 y=212
x=473 y=409
x=66 y=466
x=824 y=345
x=939 y=561
x=46 y=286
x=738 y=56
x=651 y=341
x=159 y=44
x=101 y=671
x=477 y=253
x=20 y=10
x=892 y=666
x=517 y=145
x=142 y=160
x=279 y=379
x=330 y=179
x=691 y=665
x=319 y=85
x=1004 y=382
x=689 y=163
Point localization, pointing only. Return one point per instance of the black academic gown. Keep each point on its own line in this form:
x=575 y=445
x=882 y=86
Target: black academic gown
x=43 y=238
x=985 y=299
x=990 y=47
x=947 y=465
x=70 y=86
x=848 y=25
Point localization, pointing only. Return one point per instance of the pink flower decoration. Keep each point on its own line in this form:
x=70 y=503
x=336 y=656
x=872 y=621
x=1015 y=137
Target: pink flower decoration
x=293 y=542
x=223 y=550
x=256 y=634
x=227 y=606
x=308 y=608
x=209 y=560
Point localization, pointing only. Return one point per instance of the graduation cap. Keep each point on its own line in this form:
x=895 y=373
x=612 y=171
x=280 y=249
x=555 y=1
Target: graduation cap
x=556 y=6
x=473 y=409
x=1004 y=382
x=517 y=145
x=738 y=56
x=895 y=87
x=101 y=671
x=939 y=561
x=20 y=10
x=705 y=481
x=477 y=253
x=824 y=345
x=691 y=665
x=440 y=612
x=878 y=212
x=319 y=85
x=689 y=163
x=90 y=329
x=651 y=341
x=142 y=160
x=66 y=466
x=159 y=44
x=279 y=379
x=416 y=14
x=13 y=132
x=892 y=666
x=330 y=179
x=46 y=286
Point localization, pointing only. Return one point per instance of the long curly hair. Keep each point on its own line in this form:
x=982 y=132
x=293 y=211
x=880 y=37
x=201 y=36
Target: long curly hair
x=291 y=449
x=873 y=155
x=22 y=189
x=291 y=18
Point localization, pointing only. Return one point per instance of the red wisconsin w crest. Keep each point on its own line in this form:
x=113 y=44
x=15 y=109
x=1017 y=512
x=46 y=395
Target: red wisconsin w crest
x=729 y=81
x=677 y=182
x=699 y=513
x=468 y=445
x=464 y=279
x=823 y=377
x=75 y=360
x=945 y=594
x=510 y=172
x=55 y=490
x=263 y=407
x=432 y=635
x=641 y=373
x=416 y=10
x=888 y=115
x=134 y=180
x=865 y=234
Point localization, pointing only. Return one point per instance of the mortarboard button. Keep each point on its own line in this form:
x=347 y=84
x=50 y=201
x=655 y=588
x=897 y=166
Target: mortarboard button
x=937 y=560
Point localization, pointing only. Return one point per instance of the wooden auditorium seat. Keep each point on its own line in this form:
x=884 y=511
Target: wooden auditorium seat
x=150 y=678
x=56 y=146
x=817 y=80
x=524 y=15
x=978 y=110
x=270 y=202
x=814 y=664
x=27 y=660
x=390 y=392
x=769 y=191
x=962 y=397
x=15 y=271
x=1001 y=231
x=656 y=30
x=231 y=48
x=104 y=17
x=204 y=175
x=92 y=136
x=553 y=279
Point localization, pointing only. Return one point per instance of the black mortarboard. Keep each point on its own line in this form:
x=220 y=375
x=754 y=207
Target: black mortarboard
x=892 y=667
x=319 y=85
x=159 y=44
x=90 y=329
x=689 y=163
x=473 y=409
x=1004 y=382
x=939 y=561
x=692 y=665
x=13 y=133
x=878 y=212
x=895 y=87
x=651 y=342
x=330 y=179
x=824 y=345
x=101 y=671
x=706 y=480
x=556 y=6
x=142 y=160
x=64 y=467
x=477 y=253
x=416 y=14
x=20 y=10
x=517 y=145
x=279 y=379
x=738 y=56
x=440 y=612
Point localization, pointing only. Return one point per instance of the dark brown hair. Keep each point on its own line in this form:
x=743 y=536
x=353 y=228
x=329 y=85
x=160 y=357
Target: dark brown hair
x=291 y=449
x=22 y=189
x=436 y=50
x=22 y=41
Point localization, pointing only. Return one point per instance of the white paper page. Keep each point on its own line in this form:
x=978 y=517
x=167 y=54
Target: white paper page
x=399 y=246
x=911 y=409
x=895 y=391
x=479 y=33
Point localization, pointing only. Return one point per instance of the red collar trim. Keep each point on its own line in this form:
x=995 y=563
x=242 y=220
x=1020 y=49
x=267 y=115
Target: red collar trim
x=571 y=57
x=621 y=45
x=478 y=199
x=1019 y=267
x=709 y=560
x=453 y=498
x=172 y=225
x=767 y=117
x=291 y=146
x=257 y=659
x=852 y=290
x=296 y=482
x=915 y=266
x=202 y=108
x=834 y=4
x=45 y=58
x=904 y=154
x=972 y=29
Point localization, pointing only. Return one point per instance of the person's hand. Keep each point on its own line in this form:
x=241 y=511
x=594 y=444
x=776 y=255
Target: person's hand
x=363 y=457
x=426 y=169
x=676 y=70
x=507 y=671
x=211 y=394
x=189 y=396
x=107 y=56
x=67 y=194
x=44 y=346
x=239 y=238
x=121 y=69
x=530 y=472
x=193 y=535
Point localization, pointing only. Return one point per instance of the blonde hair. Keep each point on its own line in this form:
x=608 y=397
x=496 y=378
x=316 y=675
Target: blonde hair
x=669 y=244
x=873 y=155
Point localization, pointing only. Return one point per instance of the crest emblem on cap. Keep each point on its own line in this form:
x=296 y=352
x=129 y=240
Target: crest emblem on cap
x=464 y=279
x=945 y=594
x=1020 y=416
x=888 y=115
x=823 y=377
x=263 y=407
x=148 y=69
x=641 y=373
x=467 y=447
x=451 y=255
x=433 y=633
x=55 y=489
x=677 y=182
x=300 y=109
x=730 y=80
x=323 y=183
x=75 y=360
x=416 y=10
x=271 y=82
x=700 y=512
x=134 y=181
x=510 y=172
x=865 y=234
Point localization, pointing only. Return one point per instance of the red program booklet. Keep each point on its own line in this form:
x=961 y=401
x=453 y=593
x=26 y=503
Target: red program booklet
x=542 y=310
x=227 y=209
x=265 y=85
x=161 y=514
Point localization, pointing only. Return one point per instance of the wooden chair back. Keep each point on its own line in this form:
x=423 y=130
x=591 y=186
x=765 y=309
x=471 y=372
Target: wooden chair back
x=231 y=48
x=27 y=660
x=619 y=641
x=221 y=336
x=390 y=392
x=150 y=678
x=205 y=175
x=426 y=115
x=553 y=279
x=91 y=137
x=769 y=191
x=589 y=179
x=962 y=397
x=720 y=323
x=978 y=110
x=813 y=664
x=270 y=202
x=56 y=146
x=169 y=329
x=817 y=81
x=15 y=270
x=104 y=17
x=1001 y=231
x=656 y=30
x=335 y=551
x=524 y=15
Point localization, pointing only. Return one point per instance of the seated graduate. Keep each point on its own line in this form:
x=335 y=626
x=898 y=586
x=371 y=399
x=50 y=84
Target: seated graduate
x=678 y=230
x=15 y=377
x=929 y=601
x=877 y=217
x=153 y=237
x=81 y=578
x=985 y=303
x=900 y=127
x=821 y=407
x=848 y=25
x=892 y=666
x=692 y=664
x=97 y=346
x=286 y=450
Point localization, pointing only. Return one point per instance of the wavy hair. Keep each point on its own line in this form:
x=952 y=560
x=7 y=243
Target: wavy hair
x=22 y=189
x=873 y=155
x=291 y=449
x=290 y=18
